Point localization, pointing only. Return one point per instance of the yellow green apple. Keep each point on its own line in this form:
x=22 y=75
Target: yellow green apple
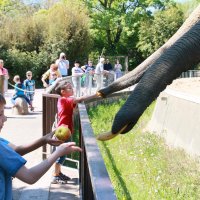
x=63 y=132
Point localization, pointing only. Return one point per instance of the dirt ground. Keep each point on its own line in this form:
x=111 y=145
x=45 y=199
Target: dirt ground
x=187 y=85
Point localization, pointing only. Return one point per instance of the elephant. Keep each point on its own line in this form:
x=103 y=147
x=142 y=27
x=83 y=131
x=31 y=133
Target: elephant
x=178 y=54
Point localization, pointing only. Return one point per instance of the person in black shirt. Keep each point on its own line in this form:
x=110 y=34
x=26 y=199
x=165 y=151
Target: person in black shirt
x=108 y=68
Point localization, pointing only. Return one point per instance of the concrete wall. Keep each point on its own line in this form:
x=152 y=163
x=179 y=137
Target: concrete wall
x=177 y=118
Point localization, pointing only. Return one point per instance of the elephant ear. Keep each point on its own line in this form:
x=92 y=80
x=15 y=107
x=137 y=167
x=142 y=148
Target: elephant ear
x=183 y=54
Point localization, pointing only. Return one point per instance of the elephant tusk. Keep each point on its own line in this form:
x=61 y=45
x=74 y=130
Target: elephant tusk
x=99 y=94
x=106 y=136
x=109 y=135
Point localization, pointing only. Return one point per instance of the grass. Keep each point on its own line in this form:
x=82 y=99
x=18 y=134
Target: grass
x=140 y=164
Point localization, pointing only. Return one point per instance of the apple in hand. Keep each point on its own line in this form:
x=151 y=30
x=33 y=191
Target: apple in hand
x=63 y=132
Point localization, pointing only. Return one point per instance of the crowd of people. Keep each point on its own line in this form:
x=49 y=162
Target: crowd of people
x=85 y=76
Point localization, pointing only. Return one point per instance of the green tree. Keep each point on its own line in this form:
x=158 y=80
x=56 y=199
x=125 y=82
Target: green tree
x=188 y=6
x=67 y=30
x=155 y=31
x=33 y=38
x=113 y=20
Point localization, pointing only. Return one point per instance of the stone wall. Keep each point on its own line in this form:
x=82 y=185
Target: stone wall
x=176 y=117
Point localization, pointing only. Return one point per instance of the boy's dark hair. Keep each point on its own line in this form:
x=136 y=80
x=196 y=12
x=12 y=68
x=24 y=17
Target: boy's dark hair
x=61 y=86
x=76 y=61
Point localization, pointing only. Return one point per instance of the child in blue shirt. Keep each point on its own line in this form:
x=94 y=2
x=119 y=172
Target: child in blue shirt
x=29 y=84
x=20 y=91
x=13 y=164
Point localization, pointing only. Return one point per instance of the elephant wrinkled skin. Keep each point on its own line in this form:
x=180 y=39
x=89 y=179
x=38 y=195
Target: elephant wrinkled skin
x=179 y=54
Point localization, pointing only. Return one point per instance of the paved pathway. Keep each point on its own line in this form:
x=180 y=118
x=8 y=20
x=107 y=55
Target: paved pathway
x=19 y=130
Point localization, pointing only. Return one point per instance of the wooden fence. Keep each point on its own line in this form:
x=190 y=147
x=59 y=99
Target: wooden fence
x=94 y=179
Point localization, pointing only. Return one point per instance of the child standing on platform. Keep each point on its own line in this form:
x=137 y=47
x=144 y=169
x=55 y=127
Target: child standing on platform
x=66 y=105
x=29 y=84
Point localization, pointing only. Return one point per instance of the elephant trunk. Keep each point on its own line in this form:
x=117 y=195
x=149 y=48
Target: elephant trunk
x=182 y=55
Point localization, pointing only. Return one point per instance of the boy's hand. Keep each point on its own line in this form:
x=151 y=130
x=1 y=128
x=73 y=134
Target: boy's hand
x=52 y=140
x=67 y=148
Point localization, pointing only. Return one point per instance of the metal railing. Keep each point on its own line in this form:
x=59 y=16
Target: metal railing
x=3 y=84
x=190 y=74
x=94 y=179
x=88 y=84
x=49 y=105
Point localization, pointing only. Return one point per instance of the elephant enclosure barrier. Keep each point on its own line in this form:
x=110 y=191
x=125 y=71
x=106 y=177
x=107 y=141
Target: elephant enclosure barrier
x=176 y=117
x=94 y=179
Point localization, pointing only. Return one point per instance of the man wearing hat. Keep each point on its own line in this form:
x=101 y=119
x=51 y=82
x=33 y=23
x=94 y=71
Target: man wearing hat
x=63 y=64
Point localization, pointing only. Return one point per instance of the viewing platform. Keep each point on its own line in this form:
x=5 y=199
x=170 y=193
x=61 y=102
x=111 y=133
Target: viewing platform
x=89 y=181
x=20 y=129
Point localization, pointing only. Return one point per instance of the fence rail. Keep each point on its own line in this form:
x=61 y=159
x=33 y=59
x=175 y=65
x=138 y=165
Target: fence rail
x=87 y=84
x=94 y=179
x=49 y=105
x=190 y=74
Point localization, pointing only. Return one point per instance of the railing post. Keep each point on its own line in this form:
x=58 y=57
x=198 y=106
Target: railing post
x=49 y=103
x=126 y=64
x=90 y=84
x=2 y=81
x=44 y=148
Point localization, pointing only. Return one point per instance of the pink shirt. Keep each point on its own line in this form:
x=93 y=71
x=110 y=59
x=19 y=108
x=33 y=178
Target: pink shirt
x=3 y=71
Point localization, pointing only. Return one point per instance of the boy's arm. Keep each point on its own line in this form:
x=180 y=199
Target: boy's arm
x=33 y=174
x=43 y=79
x=15 y=89
x=59 y=74
x=27 y=148
x=85 y=98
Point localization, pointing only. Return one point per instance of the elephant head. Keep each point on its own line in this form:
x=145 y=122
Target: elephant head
x=179 y=54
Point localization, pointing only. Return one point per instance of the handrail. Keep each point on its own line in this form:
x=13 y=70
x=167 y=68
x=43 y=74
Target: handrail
x=88 y=85
x=49 y=105
x=190 y=74
x=95 y=181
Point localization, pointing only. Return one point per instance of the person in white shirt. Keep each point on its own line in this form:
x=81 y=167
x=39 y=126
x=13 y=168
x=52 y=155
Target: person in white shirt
x=63 y=64
x=99 y=71
x=77 y=72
